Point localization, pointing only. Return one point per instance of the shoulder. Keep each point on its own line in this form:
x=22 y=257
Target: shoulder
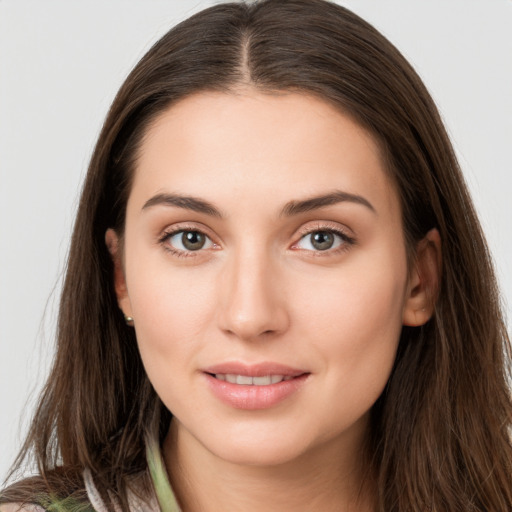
x=15 y=507
x=59 y=489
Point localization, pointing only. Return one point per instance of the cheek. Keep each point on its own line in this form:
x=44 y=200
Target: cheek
x=171 y=308
x=355 y=320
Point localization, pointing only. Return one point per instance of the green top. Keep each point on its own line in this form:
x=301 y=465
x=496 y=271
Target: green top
x=162 y=501
x=163 y=489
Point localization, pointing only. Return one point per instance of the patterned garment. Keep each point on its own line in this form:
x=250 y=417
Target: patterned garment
x=162 y=500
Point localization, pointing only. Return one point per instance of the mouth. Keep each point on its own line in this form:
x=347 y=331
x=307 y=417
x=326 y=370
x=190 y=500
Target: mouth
x=253 y=387
x=260 y=374
x=247 y=380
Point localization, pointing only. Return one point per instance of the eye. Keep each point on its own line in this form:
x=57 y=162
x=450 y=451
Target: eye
x=323 y=240
x=188 y=241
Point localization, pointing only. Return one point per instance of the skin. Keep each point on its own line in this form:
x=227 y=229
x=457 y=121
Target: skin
x=259 y=291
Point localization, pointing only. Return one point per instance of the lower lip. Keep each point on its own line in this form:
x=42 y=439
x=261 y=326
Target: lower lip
x=250 y=397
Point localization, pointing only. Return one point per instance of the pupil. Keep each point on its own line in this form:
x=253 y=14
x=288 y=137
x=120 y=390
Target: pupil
x=192 y=240
x=322 y=240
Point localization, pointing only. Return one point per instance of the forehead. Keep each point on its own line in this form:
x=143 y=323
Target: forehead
x=219 y=146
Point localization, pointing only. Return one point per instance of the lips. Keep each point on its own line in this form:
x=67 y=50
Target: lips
x=254 y=370
x=253 y=387
x=247 y=380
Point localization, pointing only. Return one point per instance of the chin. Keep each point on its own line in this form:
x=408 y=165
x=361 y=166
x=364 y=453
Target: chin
x=260 y=455
x=258 y=446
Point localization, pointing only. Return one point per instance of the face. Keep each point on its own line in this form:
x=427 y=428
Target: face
x=265 y=268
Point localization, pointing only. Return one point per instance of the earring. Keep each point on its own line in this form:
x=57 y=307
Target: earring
x=128 y=320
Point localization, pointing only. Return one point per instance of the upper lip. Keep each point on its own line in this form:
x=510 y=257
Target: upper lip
x=254 y=370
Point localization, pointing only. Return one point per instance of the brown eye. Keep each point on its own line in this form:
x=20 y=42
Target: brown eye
x=193 y=240
x=322 y=240
x=188 y=241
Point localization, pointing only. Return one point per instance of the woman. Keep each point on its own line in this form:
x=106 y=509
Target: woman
x=278 y=294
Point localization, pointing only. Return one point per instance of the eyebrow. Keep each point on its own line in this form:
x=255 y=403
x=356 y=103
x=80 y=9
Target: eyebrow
x=291 y=208
x=316 y=202
x=186 y=202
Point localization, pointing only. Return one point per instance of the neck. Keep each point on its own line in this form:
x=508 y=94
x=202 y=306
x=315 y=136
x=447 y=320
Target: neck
x=316 y=480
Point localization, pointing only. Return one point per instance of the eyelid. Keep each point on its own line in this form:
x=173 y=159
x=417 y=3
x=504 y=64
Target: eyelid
x=187 y=226
x=335 y=228
x=324 y=225
x=174 y=229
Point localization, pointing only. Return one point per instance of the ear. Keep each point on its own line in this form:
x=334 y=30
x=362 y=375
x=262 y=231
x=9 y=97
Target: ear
x=123 y=300
x=424 y=281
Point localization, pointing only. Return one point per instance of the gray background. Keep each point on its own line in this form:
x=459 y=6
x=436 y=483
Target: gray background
x=61 y=63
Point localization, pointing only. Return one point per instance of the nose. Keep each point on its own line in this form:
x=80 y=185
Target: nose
x=252 y=302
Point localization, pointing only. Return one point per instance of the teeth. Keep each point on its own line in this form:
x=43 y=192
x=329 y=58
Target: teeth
x=245 y=380
x=263 y=381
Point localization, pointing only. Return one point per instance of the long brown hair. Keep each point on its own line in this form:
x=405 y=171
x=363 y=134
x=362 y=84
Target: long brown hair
x=440 y=435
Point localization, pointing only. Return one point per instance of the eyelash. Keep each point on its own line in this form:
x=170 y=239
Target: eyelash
x=167 y=235
x=346 y=240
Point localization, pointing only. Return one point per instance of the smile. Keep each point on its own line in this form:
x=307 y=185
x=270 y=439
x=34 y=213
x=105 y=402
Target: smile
x=254 y=387
x=246 y=380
